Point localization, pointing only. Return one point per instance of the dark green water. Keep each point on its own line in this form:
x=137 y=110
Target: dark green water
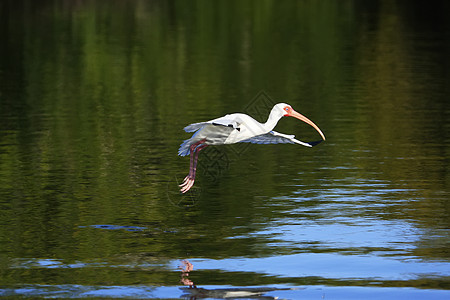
x=93 y=99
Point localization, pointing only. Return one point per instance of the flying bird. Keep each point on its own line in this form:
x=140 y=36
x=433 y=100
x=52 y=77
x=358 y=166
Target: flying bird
x=238 y=128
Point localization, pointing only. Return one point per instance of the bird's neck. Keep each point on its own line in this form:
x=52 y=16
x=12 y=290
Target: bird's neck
x=272 y=121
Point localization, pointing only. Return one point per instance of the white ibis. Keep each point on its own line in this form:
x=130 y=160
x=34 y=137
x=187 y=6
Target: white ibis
x=235 y=128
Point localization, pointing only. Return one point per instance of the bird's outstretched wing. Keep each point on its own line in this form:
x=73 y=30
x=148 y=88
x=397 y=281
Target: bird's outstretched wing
x=195 y=126
x=215 y=133
x=226 y=122
x=218 y=122
x=274 y=137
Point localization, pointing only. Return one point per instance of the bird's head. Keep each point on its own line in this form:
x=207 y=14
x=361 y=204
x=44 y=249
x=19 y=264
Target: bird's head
x=287 y=111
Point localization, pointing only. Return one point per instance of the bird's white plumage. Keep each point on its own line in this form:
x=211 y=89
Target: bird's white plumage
x=238 y=127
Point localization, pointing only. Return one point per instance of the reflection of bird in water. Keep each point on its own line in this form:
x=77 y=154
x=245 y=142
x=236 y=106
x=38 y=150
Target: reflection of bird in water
x=238 y=128
x=186 y=267
x=194 y=292
x=235 y=293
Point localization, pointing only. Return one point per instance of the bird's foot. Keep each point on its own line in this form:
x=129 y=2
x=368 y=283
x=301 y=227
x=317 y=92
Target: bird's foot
x=188 y=182
x=185 y=181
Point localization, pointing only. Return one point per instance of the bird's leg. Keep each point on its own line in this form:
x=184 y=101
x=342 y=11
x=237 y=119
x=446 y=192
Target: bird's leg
x=191 y=164
x=193 y=148
x=197 y=152
x=188 y=181
x=199 y=148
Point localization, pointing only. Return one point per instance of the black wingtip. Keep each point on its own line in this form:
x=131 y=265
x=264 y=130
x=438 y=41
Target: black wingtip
x=315 y=143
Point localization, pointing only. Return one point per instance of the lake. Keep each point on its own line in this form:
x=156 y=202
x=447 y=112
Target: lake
x=94 y=96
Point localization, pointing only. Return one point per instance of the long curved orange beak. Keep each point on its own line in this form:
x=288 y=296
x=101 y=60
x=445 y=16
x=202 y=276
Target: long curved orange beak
x=293 y=113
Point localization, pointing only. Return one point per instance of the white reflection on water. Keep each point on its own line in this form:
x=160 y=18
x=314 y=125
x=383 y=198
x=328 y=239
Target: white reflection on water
x=147 y=292
x=84 y=291
x=325 y=265
x=329 y=265
x=388 y=237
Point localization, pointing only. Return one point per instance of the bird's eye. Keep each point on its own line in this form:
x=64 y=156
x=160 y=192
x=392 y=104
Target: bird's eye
x=286 y=108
